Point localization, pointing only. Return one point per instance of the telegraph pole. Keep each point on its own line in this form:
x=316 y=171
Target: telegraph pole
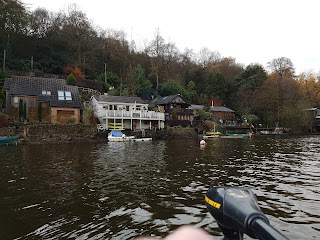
x=105 y=72
x=4 y=60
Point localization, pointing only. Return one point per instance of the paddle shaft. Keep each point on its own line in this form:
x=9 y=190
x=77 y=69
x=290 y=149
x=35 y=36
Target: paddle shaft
x=264 y=231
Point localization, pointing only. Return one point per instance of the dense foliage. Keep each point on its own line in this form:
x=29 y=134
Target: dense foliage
x=68 y=44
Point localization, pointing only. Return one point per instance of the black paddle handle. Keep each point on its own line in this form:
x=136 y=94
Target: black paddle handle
x=264 y=231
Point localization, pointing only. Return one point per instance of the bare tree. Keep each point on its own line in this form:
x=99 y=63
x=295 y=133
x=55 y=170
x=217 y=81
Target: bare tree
x=283 y=68
x=40 y=22
x=206 y=57
x=160 y=54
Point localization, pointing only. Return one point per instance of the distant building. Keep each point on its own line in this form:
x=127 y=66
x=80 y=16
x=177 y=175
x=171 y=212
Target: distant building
x=315 y=114
x=223 y=114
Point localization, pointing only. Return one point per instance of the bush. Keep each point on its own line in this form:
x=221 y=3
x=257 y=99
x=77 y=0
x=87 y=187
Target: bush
x=4 y=120
x=71 y=120
x=88 y=117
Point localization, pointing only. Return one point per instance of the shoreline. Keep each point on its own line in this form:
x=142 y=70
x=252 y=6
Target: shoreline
x=77 y=133
x=80 y=133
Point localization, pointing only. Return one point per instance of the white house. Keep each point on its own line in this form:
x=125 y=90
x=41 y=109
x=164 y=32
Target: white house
x=118 y=112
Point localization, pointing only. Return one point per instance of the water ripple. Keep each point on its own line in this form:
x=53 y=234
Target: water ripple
x=124 y=190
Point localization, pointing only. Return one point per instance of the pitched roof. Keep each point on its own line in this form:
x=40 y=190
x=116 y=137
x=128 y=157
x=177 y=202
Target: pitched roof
x=33 y=86
x=196 y=106
x=220 y=109
x=167 y=100
x=119 y=99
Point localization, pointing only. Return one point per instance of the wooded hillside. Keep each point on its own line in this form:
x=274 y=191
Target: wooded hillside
x=44 y=42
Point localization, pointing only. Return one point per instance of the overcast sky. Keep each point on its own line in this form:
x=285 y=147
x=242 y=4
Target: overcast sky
x=251 y=31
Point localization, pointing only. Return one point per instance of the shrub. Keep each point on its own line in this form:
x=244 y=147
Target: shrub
x=4 y=120
x=71 y=120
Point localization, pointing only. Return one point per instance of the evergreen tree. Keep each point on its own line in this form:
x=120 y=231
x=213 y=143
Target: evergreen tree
x=71 y=80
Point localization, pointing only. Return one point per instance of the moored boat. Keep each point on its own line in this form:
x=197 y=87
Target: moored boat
x=118 y=136
x=141 y=139
x=234 y=136
x=212 y=133
x=210 y=136
x=239 y=135
x=8 y=139
x=276 y=132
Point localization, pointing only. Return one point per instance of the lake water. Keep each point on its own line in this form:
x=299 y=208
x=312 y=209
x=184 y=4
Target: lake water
x=124 y=190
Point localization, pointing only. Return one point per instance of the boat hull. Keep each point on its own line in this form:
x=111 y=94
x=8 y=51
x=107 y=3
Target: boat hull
x=5 y=139
x=141 y=139
x=210 y=136
x=235 y=136
x=120 y=139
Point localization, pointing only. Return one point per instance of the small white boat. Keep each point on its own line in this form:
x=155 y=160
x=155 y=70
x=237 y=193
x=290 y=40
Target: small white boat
x=118 y=136
x=275 y=132
x=141 y=139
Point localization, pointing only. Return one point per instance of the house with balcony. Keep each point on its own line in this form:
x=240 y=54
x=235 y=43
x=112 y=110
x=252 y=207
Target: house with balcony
x=37 y=99
x=176 y=110
x=120 y=113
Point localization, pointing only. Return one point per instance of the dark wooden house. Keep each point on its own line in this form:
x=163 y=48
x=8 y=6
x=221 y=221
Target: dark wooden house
x=176 y=110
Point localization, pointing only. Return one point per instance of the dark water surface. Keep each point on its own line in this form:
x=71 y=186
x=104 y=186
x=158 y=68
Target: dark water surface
x=123 y=190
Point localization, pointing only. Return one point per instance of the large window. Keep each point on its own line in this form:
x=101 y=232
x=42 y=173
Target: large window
x=64 y=95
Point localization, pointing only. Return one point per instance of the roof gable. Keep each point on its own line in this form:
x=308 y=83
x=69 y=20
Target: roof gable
x=220 y=109
x=168 y=99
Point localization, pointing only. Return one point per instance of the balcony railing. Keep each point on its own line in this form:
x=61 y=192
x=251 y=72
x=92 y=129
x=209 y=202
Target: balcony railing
x=121 y=114
x=181 y=111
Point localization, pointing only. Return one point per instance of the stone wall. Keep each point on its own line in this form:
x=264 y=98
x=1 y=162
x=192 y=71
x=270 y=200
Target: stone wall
x=72 y=133
x=52 y=133
x=57 y=133
x=7 y=131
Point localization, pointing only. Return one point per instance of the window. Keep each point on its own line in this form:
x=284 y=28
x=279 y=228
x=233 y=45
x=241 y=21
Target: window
x=15 y=100
x=60 y=95
x=44 y=92
x=68 y=95
x=64 y=95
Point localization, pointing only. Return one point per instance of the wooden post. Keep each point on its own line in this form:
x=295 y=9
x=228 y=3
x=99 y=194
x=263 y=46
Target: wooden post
x=105 y=72
x=4 y=60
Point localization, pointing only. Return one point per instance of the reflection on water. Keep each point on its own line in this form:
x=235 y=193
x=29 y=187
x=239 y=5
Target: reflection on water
x=123 y=190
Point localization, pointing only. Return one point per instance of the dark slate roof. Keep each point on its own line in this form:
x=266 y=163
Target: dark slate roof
x=119 y=99
x=165 y=100
x=196 y=106
x=33 y=86
x=220 y=109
